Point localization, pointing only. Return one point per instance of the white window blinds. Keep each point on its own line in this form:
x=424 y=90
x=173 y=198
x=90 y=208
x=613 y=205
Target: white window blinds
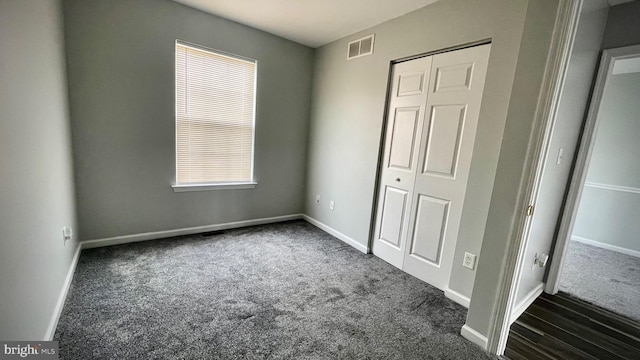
x=215 y=110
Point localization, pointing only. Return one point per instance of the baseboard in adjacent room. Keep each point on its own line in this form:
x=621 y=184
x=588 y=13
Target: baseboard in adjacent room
x=57 y=311
x=606 y=246
x=336 y=233
x=118 y=240
x=457 y=297
x=474 y=336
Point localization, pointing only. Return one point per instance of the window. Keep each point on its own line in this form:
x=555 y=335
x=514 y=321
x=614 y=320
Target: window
x=215 y=119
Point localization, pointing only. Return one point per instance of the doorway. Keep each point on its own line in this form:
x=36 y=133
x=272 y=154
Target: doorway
x=594 y=265
x=433 y=109
x=600 y=255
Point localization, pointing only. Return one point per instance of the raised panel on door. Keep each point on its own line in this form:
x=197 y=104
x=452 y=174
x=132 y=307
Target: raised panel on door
x=403 y=135
x=411 y=84
x=453 y=77
x=393 y=213
x=443 y=140
x=446 y=147
x=431 y=221
x=406 y=113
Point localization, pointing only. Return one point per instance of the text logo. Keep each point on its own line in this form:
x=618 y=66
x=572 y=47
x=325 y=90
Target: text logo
x=28 y=350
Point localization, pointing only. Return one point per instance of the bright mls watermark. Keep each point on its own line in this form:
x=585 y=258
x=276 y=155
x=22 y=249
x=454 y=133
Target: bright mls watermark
x=28 y=350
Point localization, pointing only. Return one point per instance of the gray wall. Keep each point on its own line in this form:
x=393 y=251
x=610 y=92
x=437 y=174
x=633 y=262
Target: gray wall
x=347 y=117
x=610 y=216
x=36 y=195
x=348 y=110
x=623 y=27
x=505 y=206
x=571 y=111
x=121 y=79
x=614 y=160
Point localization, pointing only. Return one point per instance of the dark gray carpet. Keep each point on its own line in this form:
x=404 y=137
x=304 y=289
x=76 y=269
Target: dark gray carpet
x=281 y=291
x=603 y=278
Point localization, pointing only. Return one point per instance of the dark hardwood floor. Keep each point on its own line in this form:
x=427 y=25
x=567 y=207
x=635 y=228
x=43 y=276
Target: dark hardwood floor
x=561 y=327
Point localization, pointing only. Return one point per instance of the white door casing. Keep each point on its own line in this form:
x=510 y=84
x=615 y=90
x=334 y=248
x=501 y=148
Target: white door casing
x=433 y=195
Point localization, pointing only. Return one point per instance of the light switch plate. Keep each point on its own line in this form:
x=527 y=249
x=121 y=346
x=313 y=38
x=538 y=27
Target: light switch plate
x=67 y=234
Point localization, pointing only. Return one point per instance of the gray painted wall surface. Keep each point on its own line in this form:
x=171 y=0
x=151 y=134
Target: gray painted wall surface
x=35 y=155
x=609 y=217
x=614 y=160
x=623 y=27
x=121 y=80
x=505 y=206
x=604 y=215
x=348 y=111
x=571 y=112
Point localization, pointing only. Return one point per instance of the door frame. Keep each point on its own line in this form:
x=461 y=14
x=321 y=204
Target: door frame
x=564 y=32
x=582 y=162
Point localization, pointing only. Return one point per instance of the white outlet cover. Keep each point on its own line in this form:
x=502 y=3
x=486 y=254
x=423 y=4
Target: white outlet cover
x=469 y=261
x=67 y=233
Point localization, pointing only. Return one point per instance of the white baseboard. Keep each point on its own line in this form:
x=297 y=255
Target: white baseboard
x=525 y=303
x=474 y=336
x=53 y=324
x=336 y=233
x=606 y=246
x=457 y=297
x=57 y=311
x=117 y=240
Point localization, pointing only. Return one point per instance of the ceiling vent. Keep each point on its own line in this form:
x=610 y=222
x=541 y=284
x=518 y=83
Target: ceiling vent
x=360 y=47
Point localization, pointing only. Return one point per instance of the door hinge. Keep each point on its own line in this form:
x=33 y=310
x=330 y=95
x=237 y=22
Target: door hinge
x=529 y=210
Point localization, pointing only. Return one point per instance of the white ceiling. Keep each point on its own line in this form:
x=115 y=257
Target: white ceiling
x=309 y=22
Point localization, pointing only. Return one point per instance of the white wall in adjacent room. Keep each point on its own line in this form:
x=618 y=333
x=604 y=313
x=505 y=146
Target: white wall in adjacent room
x=610 y=202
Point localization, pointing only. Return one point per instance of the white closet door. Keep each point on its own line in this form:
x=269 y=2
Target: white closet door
x=406 y=115
x=446 y=147
x=433 y=115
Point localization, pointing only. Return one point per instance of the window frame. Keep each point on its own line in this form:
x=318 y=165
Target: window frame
x=214 y=185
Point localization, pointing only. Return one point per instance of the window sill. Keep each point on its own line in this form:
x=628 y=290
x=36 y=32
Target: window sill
x=218 y=186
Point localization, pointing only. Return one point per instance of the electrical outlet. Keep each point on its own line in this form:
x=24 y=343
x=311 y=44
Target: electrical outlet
x=317 y=200
x=67 y=234
x=469 y=261
x=332 y=204
x=540 y=260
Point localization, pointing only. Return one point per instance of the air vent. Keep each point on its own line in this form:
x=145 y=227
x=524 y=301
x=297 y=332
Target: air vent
x=360 y=47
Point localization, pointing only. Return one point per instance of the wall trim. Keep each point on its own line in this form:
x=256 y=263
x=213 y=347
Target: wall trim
x=526 y=302
x=57 y=311
x=336 y=233
x=457 y=297
x=602 y=245
x=474 y=336
x=125 y=239
x=629 y=189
